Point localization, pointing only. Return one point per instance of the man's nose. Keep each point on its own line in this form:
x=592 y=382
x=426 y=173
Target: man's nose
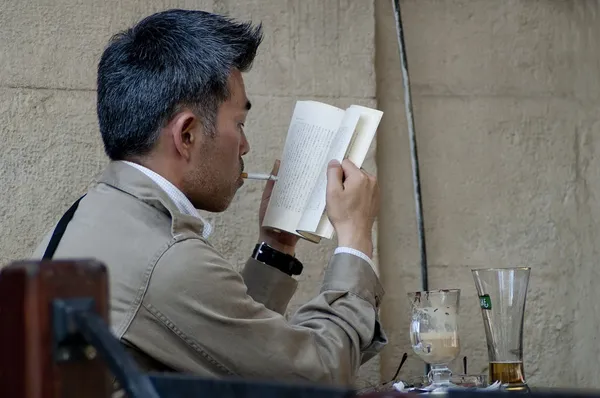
x=244 y=145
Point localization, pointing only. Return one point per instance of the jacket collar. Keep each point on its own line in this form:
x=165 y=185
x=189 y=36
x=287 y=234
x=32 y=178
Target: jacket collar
x=134 y=182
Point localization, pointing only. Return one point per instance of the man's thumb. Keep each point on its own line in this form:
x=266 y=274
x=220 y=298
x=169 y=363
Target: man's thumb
x=270 y=184
x=275 y=168
x=334 y=176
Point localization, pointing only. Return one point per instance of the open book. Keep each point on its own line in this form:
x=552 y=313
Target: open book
x=317 y=134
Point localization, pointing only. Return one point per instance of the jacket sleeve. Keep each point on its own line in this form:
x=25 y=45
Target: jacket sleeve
x=197 y=316
x=268 y=285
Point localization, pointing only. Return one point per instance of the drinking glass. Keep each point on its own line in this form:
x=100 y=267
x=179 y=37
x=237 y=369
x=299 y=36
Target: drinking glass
x=502 y=293
x=434 y=332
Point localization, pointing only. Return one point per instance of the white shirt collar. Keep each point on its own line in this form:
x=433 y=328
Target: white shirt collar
x=181 y=201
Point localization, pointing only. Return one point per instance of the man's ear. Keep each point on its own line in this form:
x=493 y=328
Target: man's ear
x=185 y=128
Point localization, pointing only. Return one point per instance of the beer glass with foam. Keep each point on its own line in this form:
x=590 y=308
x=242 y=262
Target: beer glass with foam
x=434 y=332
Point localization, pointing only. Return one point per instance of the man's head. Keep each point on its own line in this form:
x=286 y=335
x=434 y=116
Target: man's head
x=171 y=96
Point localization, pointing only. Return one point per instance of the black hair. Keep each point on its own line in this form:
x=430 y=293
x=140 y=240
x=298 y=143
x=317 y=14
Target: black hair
x=169 y=59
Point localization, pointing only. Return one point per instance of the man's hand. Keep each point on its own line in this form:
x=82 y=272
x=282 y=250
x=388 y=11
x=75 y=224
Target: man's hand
x=352 y=204
x=282 y=241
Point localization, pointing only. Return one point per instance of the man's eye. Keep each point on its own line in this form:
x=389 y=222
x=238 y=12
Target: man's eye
x=241 y=126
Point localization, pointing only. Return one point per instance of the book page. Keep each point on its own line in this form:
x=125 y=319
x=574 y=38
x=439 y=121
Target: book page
x=316 y=203
x=312 y=129
x=365 y=133
x=356 y=151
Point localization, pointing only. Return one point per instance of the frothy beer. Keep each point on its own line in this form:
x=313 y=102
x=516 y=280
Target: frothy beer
x=436 y=347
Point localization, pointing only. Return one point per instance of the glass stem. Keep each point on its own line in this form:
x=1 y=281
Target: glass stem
x=440 y=375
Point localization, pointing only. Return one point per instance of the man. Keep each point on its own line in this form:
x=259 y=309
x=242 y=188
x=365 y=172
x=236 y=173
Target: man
x=171 y=108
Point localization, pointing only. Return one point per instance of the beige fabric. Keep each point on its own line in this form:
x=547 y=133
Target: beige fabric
x=179 y=305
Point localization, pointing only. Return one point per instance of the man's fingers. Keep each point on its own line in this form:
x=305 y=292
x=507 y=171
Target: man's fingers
x=349 y=168
x=366 y=173
x=270 y=184
x=352 y=172
x=275 y=169
x=334 y=176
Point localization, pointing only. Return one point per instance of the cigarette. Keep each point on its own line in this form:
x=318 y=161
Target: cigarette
x=259 y=176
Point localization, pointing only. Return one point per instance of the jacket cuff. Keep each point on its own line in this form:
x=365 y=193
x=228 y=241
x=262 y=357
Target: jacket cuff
x=347 y=272
x=343 y=249
x=379 y=341
x=268 y=285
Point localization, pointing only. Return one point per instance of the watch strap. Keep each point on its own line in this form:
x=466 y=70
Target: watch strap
x=284 y=262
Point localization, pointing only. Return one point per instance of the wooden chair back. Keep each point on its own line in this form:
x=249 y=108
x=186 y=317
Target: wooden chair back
x=30 y=364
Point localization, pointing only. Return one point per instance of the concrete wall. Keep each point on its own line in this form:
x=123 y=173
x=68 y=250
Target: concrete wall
x=505 y=96
x=51 y=147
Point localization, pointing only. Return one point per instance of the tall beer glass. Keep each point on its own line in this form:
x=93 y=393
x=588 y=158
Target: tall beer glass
x=502 y=293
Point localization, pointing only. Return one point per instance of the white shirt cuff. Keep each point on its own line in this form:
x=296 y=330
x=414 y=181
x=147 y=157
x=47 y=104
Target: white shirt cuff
x=349 y=250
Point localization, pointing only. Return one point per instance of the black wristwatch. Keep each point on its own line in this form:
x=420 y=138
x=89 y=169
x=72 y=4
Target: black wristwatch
x=282 y=261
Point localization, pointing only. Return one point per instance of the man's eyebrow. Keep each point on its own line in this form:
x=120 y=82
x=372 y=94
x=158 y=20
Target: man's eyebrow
x=248 y=105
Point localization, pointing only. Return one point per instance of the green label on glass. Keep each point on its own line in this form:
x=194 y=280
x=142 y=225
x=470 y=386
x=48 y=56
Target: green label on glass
x=485 y=302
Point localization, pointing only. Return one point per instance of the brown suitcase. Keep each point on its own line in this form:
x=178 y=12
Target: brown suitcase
x=31 y=366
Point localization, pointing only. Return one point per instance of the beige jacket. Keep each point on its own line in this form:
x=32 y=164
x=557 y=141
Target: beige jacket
x=178 y=305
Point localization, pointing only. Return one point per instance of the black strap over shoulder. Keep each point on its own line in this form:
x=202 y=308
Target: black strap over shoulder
x=60 y=230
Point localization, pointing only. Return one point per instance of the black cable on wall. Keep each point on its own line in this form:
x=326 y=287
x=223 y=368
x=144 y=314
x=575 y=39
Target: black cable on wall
x=413 y=151
x=413 y=146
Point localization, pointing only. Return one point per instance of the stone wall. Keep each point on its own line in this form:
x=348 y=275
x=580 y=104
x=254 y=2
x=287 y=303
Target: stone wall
x=52 y=149
x=506 y=97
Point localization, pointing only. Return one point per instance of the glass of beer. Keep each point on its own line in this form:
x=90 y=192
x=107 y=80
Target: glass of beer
x=502 y=293
x=434 y=332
